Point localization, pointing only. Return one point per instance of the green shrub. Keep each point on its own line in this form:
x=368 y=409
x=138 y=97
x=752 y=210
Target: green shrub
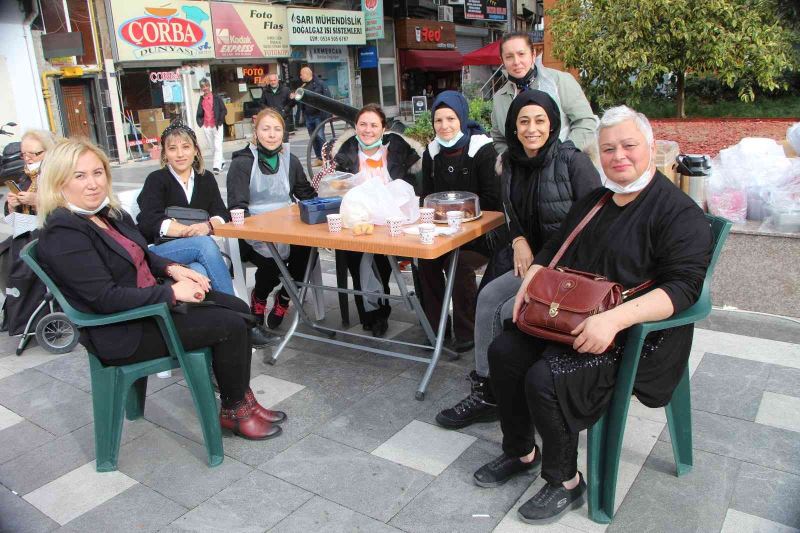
x=422 y=130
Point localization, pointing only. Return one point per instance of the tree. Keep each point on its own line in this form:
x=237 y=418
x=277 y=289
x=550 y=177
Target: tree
x=622 y=47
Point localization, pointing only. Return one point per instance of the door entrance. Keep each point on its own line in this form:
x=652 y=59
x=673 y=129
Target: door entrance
x=78 y=108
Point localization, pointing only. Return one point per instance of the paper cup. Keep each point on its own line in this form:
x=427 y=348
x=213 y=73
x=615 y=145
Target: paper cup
x=426 y=233
x=395 y=226
x=426 y=215
x=454 y=219
x=335 y=223
x=237 y=217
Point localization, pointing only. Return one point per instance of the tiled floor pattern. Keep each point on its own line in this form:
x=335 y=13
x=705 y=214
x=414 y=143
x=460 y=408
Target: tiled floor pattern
x=358 y=453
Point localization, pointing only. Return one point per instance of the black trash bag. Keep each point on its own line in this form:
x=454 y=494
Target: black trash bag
x=24 y=290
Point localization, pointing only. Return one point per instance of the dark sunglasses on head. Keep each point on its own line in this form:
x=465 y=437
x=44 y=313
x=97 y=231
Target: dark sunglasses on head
x=33 y=154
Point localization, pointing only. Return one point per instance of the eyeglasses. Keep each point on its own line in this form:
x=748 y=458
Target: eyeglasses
x=32 y=154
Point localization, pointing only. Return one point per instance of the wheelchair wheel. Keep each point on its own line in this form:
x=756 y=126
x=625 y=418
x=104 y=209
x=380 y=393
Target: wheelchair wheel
x=56 y=334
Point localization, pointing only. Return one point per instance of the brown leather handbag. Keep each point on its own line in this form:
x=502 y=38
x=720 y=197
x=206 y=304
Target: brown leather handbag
x=561 y=298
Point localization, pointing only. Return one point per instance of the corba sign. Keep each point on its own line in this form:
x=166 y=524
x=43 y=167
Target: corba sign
x=172 y=30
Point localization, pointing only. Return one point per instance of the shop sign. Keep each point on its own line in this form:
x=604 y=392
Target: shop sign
x=177 y=29
x=327 y=54
x=373 y=18
x=421 y=34
x=368 y=57
x=486 y=9
x=254 y=75
x=325 y=26
x=249 y=30
x=165 y=75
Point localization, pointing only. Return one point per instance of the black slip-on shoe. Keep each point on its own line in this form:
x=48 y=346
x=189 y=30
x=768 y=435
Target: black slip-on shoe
x=552 y=500
x=496 y=472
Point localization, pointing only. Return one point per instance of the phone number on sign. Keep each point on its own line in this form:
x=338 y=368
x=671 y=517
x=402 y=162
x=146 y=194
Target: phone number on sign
x=328 y=39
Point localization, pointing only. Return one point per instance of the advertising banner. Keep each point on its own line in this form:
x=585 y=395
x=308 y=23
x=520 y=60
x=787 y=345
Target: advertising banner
x=177 y=29
x=486 y=9
x=327 y=54
x=368 y=57
x=373 y=18
x=325 y=26
x=249 y=30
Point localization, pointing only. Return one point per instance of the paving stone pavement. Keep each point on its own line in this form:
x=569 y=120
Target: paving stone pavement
x=359 y=453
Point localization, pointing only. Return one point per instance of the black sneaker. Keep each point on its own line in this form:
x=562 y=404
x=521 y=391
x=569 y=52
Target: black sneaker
x=279 y=309
x=551 y=501
x=215 y=170
x=260 y=337
x=500 y=470
x=479 y=406
x=461 y=346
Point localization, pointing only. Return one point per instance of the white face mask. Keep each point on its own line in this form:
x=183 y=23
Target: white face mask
x=34 y=166
x=81 y=211
x=365 y=146
x=451 y=142
x=635 y=186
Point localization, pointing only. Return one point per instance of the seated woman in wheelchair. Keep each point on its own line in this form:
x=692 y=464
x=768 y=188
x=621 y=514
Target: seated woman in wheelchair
x=648 y=230
x=183 y=182
x=99 y=259
x=265 y=176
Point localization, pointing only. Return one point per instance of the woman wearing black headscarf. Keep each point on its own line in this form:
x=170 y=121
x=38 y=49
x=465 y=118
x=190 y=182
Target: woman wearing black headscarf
x=541 y=177
x=460 y=158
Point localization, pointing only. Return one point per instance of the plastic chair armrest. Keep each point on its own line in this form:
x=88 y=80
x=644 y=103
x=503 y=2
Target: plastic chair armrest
x=88 y=319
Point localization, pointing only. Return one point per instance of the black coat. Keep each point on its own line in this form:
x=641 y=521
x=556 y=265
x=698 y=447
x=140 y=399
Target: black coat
x=403 y=156
x=219 y=111
x=279 y=100
x=97 y=275
x=566 y=176
x=162 y=190
x=239 y=180
x=318 y=86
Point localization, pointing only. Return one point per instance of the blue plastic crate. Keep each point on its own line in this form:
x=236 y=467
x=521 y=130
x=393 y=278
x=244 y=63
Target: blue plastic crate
x=316 y=211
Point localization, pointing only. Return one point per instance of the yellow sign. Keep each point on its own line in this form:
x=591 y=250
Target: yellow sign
x=71 y=72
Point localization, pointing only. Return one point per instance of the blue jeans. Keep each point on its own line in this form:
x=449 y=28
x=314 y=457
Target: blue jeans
x=311 y=125
x=202 y=255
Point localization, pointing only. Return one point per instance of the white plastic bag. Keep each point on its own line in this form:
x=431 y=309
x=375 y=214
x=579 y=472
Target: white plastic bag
x=793 y=136
x=726 y=195
x=374 y=202
x=336 y=184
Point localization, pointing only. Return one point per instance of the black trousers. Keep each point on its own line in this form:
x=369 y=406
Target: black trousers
x=267 y=271
x=526 y=400
x=465 y=290
x=217 y=327
x=385 y=272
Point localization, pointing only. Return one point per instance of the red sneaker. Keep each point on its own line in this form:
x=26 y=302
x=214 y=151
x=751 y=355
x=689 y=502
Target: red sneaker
x=258 y=307
x=275 y=316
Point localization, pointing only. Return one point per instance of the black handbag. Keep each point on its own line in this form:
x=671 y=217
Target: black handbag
x=187 y=215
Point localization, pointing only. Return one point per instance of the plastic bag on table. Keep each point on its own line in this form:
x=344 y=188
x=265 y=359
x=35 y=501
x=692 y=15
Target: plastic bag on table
x=374 y=202
x=793 y=136
x=336 y=184
x=726 y=195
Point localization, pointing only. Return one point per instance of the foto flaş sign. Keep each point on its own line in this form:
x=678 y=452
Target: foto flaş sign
x=325 y=26
x=170 y=30
x=249 y=30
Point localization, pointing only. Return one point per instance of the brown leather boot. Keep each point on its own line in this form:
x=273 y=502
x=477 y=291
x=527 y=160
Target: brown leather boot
x=243 y=421
x=274 y=417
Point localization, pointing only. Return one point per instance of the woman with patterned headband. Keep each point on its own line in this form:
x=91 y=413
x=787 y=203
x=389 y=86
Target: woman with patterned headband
x=184 y=182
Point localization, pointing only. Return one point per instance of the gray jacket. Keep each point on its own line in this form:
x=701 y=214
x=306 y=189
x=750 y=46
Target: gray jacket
x=578 y=122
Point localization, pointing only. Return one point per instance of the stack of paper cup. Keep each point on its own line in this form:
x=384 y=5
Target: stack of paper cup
x=454 y=219
x=426 y=233
x=335 y=223
x=237 y=217
x=395 y=226
x=426 y=215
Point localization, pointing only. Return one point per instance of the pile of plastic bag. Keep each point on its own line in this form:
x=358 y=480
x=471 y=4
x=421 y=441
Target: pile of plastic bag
x=374 y=202
x=753 y=180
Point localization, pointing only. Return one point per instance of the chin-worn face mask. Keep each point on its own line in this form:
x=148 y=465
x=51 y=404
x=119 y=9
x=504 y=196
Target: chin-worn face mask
x=34 y=166
x=365 y=146
x=81 y=211
x=451 y=142
x=635 y=186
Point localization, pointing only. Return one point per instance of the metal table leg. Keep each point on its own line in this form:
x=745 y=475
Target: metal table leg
x=341 y=282
x=448 y=294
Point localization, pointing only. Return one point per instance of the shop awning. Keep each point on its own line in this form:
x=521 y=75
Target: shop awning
x=437 y=60
x=488 y=55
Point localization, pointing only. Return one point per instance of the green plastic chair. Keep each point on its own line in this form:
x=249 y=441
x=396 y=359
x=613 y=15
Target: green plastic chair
x=604 y=443
x=119 y=391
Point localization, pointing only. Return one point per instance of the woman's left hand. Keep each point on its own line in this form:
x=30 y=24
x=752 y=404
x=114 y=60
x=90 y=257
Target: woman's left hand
x=179 y=273
x=595 y=334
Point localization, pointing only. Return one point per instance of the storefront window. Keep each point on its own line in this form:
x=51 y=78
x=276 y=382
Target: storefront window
x=386 y=45
x=151 y=98
x=389 y=85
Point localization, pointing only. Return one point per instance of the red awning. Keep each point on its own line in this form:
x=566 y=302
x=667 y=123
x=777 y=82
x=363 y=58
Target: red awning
x=438 y=60
x=488 y=55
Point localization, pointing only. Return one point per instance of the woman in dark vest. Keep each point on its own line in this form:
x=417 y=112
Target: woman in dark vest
x=460 y=158
x=541 y=177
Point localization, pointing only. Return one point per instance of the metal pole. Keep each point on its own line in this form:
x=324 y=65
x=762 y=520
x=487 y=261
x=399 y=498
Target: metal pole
x=510 y=12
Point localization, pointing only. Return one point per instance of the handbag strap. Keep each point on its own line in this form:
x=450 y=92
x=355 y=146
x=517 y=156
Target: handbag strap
x=597 y=207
